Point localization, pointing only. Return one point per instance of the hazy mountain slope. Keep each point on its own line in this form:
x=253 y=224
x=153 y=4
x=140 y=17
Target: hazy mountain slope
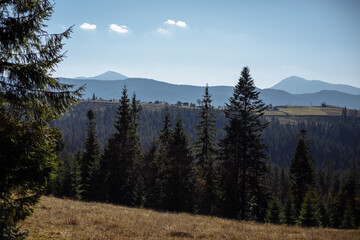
x=107 y=76
x=297 y=85
x=148 y=90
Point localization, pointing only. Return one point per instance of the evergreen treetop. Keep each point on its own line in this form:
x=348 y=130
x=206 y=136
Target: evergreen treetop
x=243 y=152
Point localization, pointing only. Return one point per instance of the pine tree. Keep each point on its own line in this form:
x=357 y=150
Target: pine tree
x=163 y=162
x=181 y=184
x=76 y=189
x=336 y=212
x=349 y=199
x=29 y=98
x=204 y=151
x=302 y=177
x=274 y=212
x=90 y=160
x=289 y=213
x=242 y=153
x=121 y=152
x=309 y=214
x=148 y=169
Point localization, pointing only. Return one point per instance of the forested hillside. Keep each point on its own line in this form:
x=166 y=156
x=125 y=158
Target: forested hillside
x=236 y=162
x=332 y=139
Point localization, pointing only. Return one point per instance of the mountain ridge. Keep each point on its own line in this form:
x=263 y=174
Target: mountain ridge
x=106 y=76
x=150 y=90
x=298 y=85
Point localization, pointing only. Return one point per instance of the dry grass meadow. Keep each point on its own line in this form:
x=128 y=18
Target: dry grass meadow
x=67 y=219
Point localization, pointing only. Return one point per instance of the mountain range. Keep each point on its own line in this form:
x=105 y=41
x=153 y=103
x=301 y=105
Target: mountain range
x=297 y=85
x=107 y=76
x=290 y=91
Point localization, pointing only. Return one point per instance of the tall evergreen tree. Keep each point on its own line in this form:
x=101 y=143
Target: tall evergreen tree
x=163 y=162
x=29 y=98
x=90 y=160
x=204 y=151
x=181 y=182
x=148 y=169
x=302 y=176
x=120 y=153
x=243 y=153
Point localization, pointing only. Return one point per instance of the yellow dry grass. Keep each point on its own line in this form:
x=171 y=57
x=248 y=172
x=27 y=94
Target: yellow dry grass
x=304 y=111
x=67 y=219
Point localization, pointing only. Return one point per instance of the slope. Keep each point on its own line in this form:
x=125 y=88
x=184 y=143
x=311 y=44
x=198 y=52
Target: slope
x=148 y=90
x=297 y=85
x=67 y=219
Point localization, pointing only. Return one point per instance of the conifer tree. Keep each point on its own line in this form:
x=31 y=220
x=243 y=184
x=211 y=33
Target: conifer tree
x=204 y=151
x=349 y=199
x=163 y=161
x=309 y=214
x=120 y=154
x=181 y=183
x=302 y=176
x=76 y=188
x=148 y=169
x=274 y=212
x=29 y=98
x=289 y=212
x=90 y=160
x=242 y=152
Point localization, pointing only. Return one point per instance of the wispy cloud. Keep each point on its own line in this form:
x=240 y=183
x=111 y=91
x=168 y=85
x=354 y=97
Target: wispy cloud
x=163 y=31
x=181 y=24
x=177 y=23
x=118 y=28
x=171 y=22
x=88 y=26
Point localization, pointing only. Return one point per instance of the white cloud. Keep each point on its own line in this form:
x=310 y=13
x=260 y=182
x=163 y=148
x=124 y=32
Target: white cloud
x=88 y=26
x=119 y=29
x=178 y=23
x=163 y=31
x=171 y=22
x=181 y=24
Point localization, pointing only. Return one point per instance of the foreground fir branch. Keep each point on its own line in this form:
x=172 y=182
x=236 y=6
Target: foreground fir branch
x=29 y=98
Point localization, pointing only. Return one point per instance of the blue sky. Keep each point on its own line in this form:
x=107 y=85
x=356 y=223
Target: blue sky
x=209 y=41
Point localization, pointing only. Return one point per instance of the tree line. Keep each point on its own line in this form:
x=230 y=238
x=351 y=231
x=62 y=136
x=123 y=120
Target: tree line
x=333 y=138
x=231 y=177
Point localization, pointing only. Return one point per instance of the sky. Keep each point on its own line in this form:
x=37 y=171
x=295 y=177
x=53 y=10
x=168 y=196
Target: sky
x=199 y=42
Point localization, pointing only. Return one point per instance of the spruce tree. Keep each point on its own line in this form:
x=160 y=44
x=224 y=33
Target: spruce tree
x=289 y=213
x=181 y=182
x=29 y=98
x=90 y=160
x=121 y=152
x=243 y=153
x=148 y=169
x=274 y=212
x=205 y=153
x=302 y=176
x=163 y=161
x=310 y=212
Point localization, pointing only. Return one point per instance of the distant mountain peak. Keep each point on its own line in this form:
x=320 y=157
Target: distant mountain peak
x=107 y=76
x=298 y=85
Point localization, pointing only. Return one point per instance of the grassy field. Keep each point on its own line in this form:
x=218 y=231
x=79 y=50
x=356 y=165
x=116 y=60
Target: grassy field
x=311 y=111
x=67 y=219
